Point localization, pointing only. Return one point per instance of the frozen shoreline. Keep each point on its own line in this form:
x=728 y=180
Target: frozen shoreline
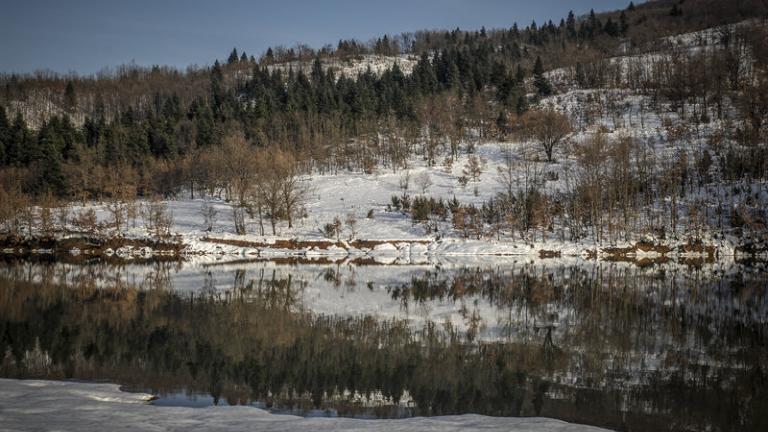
x=73 y=406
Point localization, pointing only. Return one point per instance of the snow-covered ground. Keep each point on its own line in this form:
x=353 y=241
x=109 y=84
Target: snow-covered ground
x=368 y=198
x=337 y=195
x=377 y=64
x=74 y=406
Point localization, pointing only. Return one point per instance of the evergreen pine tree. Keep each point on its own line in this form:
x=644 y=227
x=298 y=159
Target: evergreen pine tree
x=18 y=145
x=611 y=29
x=218 y=92
x=114 y=144
x=99 y=110
x=539 y=80
x=581 y=78
x=70 y=98
x=317 y=75
x=424 y=73
x=506 y=90
x=570 y=25
x=5 y=133
x=519 y=74
x=136 y=147
x=623 y=23
x=498 y=73
x=69 y=136
x=454 y=76
x=233 y=57
x=522 y=105
x=51 y=176
x=501 y=122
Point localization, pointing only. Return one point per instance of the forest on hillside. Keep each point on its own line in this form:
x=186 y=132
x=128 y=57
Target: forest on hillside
x=246 y=128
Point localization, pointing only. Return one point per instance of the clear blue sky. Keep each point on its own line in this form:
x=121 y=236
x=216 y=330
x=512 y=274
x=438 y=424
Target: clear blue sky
x=87 y=35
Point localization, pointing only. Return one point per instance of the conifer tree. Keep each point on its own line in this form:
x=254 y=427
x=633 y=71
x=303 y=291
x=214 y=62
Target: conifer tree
x=49 y=155
x=218 y=91
x=539 y=80
x=522 y=105
x=611 y=29
x=18 y=145
x=570 y=25
x=581 y=78
x=317 y=75
x=519 y=74
x=425 y=75
x=269 y=56
x=623 y=23
x=5 y=131
x=233 y=56
x=70 y=98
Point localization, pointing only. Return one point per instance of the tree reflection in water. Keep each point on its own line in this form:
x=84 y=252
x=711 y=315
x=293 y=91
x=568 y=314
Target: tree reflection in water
x=608 y=345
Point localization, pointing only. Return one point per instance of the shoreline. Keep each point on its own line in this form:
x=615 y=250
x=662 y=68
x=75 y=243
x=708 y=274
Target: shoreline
x=181 y=246
x=84 y=406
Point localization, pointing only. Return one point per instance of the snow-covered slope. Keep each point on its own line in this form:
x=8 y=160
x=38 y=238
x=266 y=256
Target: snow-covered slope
x=352 y=67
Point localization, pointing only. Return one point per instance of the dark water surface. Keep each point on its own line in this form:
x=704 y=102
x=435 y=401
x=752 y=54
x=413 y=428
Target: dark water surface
x=666 y=347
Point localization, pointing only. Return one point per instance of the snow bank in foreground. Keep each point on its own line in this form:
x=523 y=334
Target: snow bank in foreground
x=71 y=406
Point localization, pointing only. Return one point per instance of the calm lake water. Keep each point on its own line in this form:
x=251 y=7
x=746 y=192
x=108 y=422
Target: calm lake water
x=661 y=347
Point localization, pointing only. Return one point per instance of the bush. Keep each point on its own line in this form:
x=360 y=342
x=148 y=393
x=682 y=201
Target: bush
x=423 y=207
x=332 y=230
x=86 y=221
x=157 y=219
x=396 y=202
x=467 y=220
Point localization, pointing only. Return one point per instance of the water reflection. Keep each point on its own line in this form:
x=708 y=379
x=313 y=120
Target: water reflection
x=664 y=348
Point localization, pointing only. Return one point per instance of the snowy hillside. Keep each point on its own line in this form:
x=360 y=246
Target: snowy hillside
x=352 y=67
x=368 y=197
x=686 y=149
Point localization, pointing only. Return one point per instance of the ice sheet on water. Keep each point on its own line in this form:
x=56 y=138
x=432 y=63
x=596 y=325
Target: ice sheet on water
x=76 y=406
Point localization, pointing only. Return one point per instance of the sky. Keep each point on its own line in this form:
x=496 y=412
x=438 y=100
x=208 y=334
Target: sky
x=84 y=36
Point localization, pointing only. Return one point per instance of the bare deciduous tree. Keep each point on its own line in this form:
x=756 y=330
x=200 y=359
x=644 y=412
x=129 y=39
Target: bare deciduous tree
x=239 y=165
x=351 y=222
x=117 y=215
x=293 y=190
x=86 y=221
x=333 y=229
x=209 y=213
x=405 y=182
x=62 y=217
x=506 y=172
x=473 y=169
x=546 y=126
x=157 y=219
x=424 y=181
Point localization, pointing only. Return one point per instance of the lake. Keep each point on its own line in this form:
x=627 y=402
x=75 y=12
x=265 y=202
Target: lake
x=673 y=346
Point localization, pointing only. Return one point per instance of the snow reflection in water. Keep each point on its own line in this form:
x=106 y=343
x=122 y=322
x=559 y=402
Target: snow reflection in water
x=607 y=344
